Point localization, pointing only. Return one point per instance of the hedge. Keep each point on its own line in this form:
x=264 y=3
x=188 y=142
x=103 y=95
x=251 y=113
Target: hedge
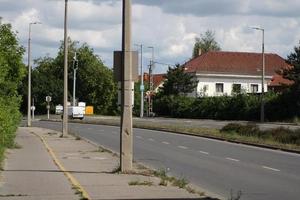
x=237 y=107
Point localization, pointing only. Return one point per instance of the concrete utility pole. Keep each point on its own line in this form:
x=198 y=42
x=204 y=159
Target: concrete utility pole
x=262 y=103
x=142 y=87
x=29 y=76
x=126 y=91
x=151 y=67
x=65 y=114
x=75 y=67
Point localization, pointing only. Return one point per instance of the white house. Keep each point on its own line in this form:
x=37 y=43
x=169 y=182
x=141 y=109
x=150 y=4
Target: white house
x=222 y=73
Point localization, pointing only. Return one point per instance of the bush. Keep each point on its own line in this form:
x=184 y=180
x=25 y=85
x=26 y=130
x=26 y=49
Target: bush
x=281 y=134
x=250 y=130
x=237 y=107
x=9 y=120
x=231 y=127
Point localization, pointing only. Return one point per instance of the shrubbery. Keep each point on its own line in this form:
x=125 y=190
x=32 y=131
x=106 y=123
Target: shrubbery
x=9 y=120
x=12 y=71
x=280 y=135
x=237 y=107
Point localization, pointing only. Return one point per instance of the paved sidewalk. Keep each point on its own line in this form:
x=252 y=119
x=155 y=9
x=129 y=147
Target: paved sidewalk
x=30 y=173
x=49 y=167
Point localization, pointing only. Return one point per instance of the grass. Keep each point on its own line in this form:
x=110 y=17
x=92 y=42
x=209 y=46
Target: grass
x=181 y=183
x=143 y=183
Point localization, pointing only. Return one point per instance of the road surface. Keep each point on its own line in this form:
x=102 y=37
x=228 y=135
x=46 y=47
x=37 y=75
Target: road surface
x=216 y=166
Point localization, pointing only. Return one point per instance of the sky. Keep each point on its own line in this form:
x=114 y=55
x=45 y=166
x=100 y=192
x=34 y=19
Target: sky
x=170 y=26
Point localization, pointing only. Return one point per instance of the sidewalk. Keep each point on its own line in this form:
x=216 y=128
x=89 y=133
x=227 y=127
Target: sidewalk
x=49 y=167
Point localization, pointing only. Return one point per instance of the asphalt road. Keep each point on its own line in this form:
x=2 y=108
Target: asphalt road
x=217 y=166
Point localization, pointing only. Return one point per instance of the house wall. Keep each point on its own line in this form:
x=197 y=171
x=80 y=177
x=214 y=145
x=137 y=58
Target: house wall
x=209 y=81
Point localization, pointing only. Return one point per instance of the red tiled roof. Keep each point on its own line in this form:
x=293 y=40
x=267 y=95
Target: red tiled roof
x=241 y=63
x=157 y=79
x=278 y=80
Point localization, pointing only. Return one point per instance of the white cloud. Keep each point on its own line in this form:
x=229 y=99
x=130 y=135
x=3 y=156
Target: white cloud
x=169 y=26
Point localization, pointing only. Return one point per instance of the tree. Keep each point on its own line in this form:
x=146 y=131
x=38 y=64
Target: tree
x=205 y=43
x=293 y=92
x=94 y=82
x=294 y=72
x=12 y=71
x=178 y=82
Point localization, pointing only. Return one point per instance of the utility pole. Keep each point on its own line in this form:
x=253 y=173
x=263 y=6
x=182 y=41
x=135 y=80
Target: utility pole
x=126 y=91
x=151 y=67
x=65 y=114
x=142 y=87
x=75 y=67
x=29 y=76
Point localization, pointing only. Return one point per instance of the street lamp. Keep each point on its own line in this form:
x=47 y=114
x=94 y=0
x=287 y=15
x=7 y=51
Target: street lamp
x=262 y=108
x=29 y=76
x=142 y=82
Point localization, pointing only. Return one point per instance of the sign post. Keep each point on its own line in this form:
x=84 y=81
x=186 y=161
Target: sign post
x=48 y=100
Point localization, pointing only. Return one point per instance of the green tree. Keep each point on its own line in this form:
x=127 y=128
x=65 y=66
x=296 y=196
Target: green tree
x=294 y=72
x=205 y=43
x=292 y=94
x=12 y=71
x=94 y=82
x=178 y=82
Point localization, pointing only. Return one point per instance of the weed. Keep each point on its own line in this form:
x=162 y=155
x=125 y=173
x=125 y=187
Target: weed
x=190 y=190
x=181 y=183
x=163 y=182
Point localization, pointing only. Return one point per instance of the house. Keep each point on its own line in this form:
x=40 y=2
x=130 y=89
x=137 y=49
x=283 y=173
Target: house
x=158 y=81
x=223 y=73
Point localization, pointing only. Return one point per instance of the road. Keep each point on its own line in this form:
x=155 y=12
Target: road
x=216 y=166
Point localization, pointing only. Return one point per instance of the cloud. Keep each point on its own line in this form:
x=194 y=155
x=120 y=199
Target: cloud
x=168 y=25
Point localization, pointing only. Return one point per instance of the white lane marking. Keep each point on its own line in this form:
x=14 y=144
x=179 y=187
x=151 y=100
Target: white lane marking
x=114 y=132
x=140 y=137
x=187 y=121
x=204 y=152
x=165 y=142
x=151 y=139
x=182 y=147
x=89 y=128
x=232 y=159
x=270 y=168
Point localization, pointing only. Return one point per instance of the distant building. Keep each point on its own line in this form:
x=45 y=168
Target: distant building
x=223 y=73
x=158 y=81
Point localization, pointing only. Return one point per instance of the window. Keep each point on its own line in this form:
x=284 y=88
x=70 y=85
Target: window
x=254 y=88
x=236 y=88
x=219 y=87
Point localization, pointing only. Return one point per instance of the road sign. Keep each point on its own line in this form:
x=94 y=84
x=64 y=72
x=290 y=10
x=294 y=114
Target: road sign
x=32 y=107
x=48 y=98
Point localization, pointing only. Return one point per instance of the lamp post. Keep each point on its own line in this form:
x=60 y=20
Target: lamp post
x=29 y=75
x=65 y=114
x=142 y=82
x=262 y=108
